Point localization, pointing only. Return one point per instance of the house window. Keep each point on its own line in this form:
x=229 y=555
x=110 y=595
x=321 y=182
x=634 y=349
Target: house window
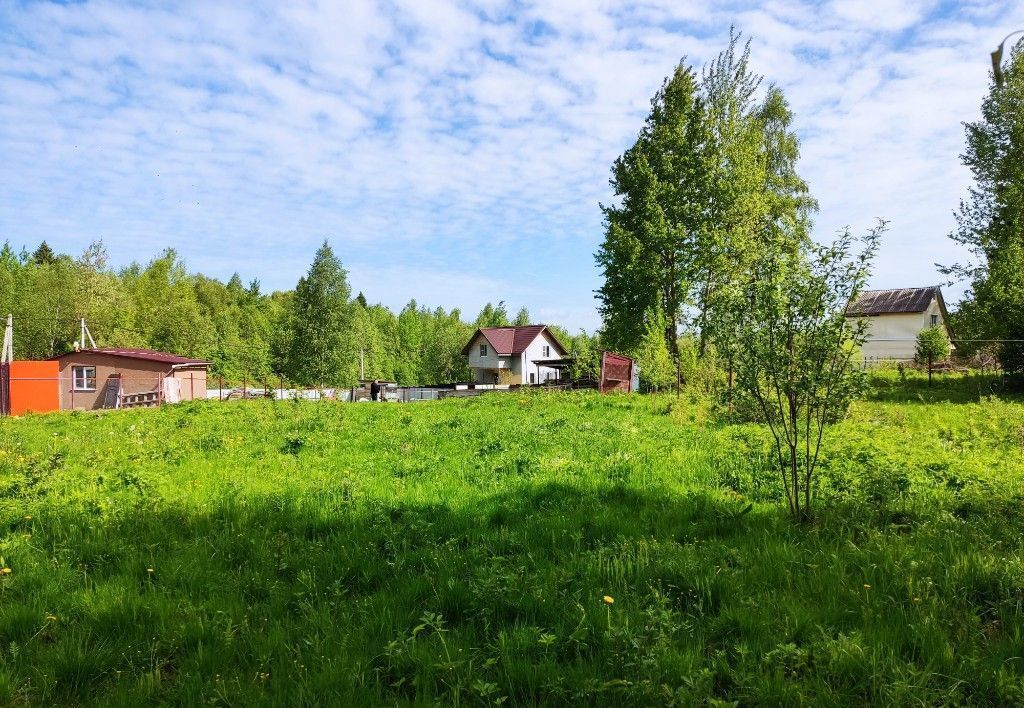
x=532 y=378
x=547 y=351
x=84 y=378
x=935 y=320
x=483 y=350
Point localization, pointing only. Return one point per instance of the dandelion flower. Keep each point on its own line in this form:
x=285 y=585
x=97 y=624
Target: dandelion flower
x=608 y=599
x=150 y=570
x=51 y=618
x=27 y=517
x=5 y=571
x=866 y=586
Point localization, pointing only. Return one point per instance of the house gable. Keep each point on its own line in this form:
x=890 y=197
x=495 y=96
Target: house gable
x=895 y=318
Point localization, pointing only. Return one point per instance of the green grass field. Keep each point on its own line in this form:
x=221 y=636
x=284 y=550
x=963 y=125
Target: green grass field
x=459 y=552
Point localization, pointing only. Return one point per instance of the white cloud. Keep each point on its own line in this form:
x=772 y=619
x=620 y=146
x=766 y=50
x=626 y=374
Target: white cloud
x=457 y=152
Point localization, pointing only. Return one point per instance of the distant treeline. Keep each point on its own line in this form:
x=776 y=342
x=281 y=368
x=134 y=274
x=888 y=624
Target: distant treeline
x=316 y=334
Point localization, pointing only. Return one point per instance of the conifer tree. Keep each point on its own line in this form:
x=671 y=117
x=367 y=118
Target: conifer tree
x=44 y=255
x=321 y=348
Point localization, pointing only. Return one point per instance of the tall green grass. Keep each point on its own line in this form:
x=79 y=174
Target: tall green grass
x=458 y=553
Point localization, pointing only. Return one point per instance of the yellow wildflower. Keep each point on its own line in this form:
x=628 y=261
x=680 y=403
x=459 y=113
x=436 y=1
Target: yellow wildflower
x=28 y=517
x=150 y=570
x=608 y=599
x=51 y=618
x=5 y=571
x=866 y=586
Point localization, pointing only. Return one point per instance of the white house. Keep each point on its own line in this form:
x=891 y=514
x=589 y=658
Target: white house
x=513 y=355
x=895 y=317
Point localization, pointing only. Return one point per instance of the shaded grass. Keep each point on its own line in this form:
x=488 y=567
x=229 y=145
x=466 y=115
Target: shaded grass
x=272 y=553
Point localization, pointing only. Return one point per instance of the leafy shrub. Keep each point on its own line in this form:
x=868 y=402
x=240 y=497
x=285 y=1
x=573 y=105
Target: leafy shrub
x=932 y=345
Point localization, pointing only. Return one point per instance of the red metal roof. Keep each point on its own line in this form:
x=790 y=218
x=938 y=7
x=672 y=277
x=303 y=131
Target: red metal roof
x=144 y=354
x=509 y=341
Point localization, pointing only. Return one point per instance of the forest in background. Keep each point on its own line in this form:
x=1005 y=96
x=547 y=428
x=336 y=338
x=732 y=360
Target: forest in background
x=312 y=335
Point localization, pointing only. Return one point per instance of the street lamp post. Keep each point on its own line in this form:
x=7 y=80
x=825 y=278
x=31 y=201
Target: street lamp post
x=997 y=59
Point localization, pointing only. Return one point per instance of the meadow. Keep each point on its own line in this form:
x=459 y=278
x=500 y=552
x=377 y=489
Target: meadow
x=516 y=549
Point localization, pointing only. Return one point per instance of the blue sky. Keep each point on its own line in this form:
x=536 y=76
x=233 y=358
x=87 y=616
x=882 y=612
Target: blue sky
x=450 y=152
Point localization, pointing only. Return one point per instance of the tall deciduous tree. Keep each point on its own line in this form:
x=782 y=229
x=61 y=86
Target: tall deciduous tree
x=990 y=221
x=168 y=315
x=651 y=236
x=321 y=350
x=491 y=316
x=711 y=176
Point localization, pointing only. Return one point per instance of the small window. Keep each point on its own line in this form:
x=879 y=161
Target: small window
x=935 y=320
x=547 y=350
x=84 y=378
x=483 y=350
x=532 y=378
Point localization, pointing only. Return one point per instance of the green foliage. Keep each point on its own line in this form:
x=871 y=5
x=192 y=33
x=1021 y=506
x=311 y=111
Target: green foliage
x=703 y=375
x=657 y=371
x=585 y=350
x=44 y=255
x=710 y=173
x=649 y=237
x=244 y=332
x=491 y=316
x=265 y=553
x=932 y=345
x=792 y=346
x=990 y=222
x=322 y=351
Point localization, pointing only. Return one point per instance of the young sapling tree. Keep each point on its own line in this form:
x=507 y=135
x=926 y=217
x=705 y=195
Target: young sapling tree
x=793 y=345
x=932 y=346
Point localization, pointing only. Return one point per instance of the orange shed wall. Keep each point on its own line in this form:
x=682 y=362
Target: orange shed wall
x=34 y=387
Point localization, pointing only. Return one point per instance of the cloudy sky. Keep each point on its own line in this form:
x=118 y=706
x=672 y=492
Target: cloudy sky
x=453 y=152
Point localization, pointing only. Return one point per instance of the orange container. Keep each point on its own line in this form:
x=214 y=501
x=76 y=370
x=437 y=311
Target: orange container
x=34 y=387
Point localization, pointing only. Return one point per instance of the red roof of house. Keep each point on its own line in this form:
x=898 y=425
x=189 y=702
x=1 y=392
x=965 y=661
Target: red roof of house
x=509 y=341
x=144 y=354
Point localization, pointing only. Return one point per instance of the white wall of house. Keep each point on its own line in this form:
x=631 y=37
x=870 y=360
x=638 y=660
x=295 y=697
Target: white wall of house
x=520 y=367
x=535 y=352
x=485 y=367
x=894 y=336
x=490 y=361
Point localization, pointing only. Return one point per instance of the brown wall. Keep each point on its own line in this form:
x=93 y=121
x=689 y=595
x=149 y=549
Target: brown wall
x=193 y=383
x=616 y=372
x=137 y=376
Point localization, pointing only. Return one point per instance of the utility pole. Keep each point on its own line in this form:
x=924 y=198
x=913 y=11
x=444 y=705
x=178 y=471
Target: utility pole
x=86 y=333
x=7 y=353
